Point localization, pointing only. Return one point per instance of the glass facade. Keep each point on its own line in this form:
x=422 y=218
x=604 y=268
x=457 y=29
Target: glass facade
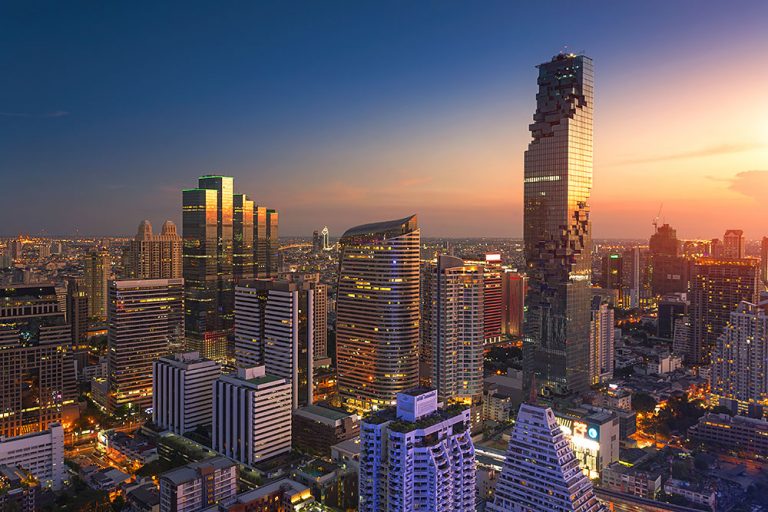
x=557 y=229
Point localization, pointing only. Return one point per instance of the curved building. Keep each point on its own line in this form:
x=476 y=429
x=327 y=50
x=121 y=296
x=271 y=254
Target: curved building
x=377 y=326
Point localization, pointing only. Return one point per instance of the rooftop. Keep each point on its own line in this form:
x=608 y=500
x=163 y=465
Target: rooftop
x=388 y=227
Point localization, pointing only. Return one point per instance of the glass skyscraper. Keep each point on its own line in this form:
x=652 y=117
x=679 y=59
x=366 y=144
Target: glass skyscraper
x=557 y=229
x=377 y=319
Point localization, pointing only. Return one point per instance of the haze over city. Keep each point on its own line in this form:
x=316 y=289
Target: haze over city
x=344 y=113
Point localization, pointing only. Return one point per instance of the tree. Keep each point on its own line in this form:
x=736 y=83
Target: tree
x=643 y=402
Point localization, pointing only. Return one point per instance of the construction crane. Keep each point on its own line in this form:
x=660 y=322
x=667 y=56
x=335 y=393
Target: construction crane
x=656 y=219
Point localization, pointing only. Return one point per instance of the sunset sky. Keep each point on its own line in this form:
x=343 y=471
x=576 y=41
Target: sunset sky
x=339 y=113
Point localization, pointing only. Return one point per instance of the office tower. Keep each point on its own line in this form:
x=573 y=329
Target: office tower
x=669 y=271
x=151 y=256
x=557 y=229
x=455 y=333
x=265 y=241
x=670 y=309
x=636 y=278
x=208 y=259
x=146 y=322
x=717 y=288
x=664 y=241
x=77 y=312
x=601 y=342
x=417 y=456
x=716 y=248
x=243 y=250
x=764 y=261
x=198 y=485
x=37 y=373
x=274 y=325
x=320 y=309
x=326 y=238
x=182 y=391
x=317 y=242
x=611 y=272
x=513 y=288
x=251 y=415
x=541 y=472
x=377 y=313
x=41 y=453
x=681 y=337
x=734 y=244
x=493 y=307
x=740 y=358
x=97 y=271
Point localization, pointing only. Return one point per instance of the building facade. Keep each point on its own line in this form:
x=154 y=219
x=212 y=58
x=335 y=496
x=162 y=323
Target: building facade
x=557 y=229
x=377 y=319
x=601 y=342
x=417 y=456
x=151 y=256
x=40 y=453
x=182 y=395
x=146 y=322
x=97 y=270
x=196 y=486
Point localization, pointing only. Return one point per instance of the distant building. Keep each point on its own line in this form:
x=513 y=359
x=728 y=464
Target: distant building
x=417 y=457
x=601 y=342
x=316 y=428
x=146 y=322
x=77 y=312
x=182 y=395
x=40 y=453
x=764 y=261
x=717 y=288
x=541 y=472
x=151 y=256
x=98 y=268
x=748 y=436
x=266 y=243
x=734 y=244
x=740 y=358
x=243 y=248
x=670 y=309
x=193 y=487
x=251 y=415
x=377 y=313
x=513 y=289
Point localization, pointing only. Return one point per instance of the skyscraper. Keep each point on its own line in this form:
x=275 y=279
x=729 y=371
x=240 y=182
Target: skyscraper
x=669 y=271
x=734 y=244
x=456 y=329
x=251 y=415
x=182 y=391
x=717 y=288
x=97 y=271
x=146 y=322
x=243 y=249
x=37 y=373
x=514 y=287
x=541 y=472
x=764 y=261
x=274 y=324
x=557 y=229
x=740 y=358
x=417 y=456
x=601 y=342
x=208 y=272
x=77 y=311
x=377 y=319
x=151 y=256
x=266 y=242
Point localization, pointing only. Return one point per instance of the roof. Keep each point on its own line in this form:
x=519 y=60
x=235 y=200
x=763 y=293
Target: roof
x=323 y=412
x=388 y=227
x=190 y=472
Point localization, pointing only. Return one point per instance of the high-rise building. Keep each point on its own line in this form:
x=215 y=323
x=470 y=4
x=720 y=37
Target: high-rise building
x=764 y=261
x=417 y=456
x=664 y=241
x=734 y=244
x=326 y=238
x=320 y=307
x=493 y=302
x=274 y=325
x=740 y=358
x=151 y=256
x=198 y=485
x=601 y=342
x=37 y=372
x=317 y=242
x=514 y=288
x=715 y=248
x=717 y=288
x=636 y=278
x=670 y=309
x=456 y=333
x=97 y=271
x=41 y=453
x=611 y=272
x=146 y=322
x=251 y=415
x=541 y=472
x=377 y=313
x=682 y=337
x=669 y=271
x=182 y=395
x=77 y=311
x=557 y=229
x=266 y=241
x=17 y=249
x=208 y=217
x=243 y=249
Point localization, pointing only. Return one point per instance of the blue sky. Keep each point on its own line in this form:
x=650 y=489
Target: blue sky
x=341 y=113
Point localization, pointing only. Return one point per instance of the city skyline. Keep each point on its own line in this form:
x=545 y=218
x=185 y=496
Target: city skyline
x=391 y=127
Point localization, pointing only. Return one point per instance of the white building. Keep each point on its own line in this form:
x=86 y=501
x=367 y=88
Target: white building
x=275 y=326
x=601 y=342
x=453 y=328
x=183 y=391
x=195 y=486
x=40 y=453
x=417 y=457
x=740 y=358
x=251 y=415
x=541 y=472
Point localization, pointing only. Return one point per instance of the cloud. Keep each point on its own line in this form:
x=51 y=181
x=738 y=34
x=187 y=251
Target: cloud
x=752 y=184
x=46 y=115
x=720 y=149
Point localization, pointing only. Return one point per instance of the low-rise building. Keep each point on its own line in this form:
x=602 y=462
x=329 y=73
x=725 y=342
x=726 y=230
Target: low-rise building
x=631 y=480
x=40 y=453
x=594 y=436
x=282 y=496
x=196 y=486
x=331 y=484
x=699 y=493
x=18 y=489
x=749 y=436
x=316 y=428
